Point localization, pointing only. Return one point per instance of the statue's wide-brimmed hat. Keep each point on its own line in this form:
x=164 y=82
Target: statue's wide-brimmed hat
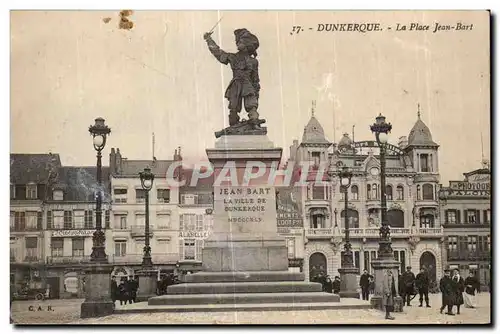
x=247 y=38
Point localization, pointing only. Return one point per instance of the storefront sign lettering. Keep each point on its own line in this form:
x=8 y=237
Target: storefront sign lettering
x=193 y=234
x=73 y=233
x=464 y=186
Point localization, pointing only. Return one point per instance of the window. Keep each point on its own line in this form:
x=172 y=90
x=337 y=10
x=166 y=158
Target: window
x=68 y=220
x=12 y=220
x=79 y=219
x=13 y=251
x=352 y=218
x=39 y=220
x=427 y=221
x=120 y=222
x=58 y=219
x=354 y=192
x=368 y=191
x=471 y=216
x=189 y=249
x=388 y=192
x=140 y=195
x=428 y=192
x=12 y=191
x=374 y=191
x=396 y=218
x=188 y=199
x=20 y=220
x=424 y=163
x=49 y=220
x=163 y=221
x=31 y=192
x=472 y=244
x=89 y=219
x=31 y=248
x=317 y=220
x=31 y=220
x=318 y=192
x=120 y=248
x=400 y=193
x=199 y=222
x=366 y=261
x=199 y=249
x=187 y=222
x=400 y=256
x=58 y=195
x=452 y=247
x=107 y=218
x=316 y=158
x=120 y=195
x=290 y=244
x=57 y=247
x=164 y=246
x=451 y=216
x=209 y=222
x=163 y=195
x=78 y=246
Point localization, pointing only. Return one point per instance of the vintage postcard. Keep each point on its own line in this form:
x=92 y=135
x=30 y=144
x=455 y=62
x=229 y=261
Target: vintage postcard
x=250 y=167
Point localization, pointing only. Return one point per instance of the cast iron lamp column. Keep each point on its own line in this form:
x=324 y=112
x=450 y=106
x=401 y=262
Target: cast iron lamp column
x=348 y=281
x=147 y=183
x=97 y=288
x=147 y=276
x=385 y=260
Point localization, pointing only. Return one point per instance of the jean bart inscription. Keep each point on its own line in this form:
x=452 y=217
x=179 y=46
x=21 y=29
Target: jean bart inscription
x=245 y=205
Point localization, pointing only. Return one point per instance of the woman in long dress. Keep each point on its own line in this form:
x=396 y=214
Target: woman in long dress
x=471 y=285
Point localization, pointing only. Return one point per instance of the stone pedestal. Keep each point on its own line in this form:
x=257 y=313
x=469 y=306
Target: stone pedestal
x=98 y=301
x=147 y=284
x=348 y=283
x=381 y=266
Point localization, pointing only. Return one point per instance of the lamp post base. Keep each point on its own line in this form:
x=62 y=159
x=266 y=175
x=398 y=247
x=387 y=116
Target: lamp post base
x=380 y=267
x=348 y=282
x=147 y=284
x=98 y=301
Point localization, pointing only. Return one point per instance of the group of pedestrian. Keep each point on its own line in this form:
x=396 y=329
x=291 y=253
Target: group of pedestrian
x=454 y=288
x=125 y=291
x=367 y=285
x=165 y=281
x=327 y=284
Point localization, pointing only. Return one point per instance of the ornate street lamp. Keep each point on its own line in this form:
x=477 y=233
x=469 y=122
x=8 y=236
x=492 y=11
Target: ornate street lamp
x=381 y=129
x=345 y=176
x=98 y=301
x=147 y=183
x=385 y=260
x=99 y=132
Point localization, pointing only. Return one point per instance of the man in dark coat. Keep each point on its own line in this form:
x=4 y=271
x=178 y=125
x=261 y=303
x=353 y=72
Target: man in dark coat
x=123 y=293
x=114 y=289
x=130 y=288
x=447 y=293
x=388 y=294
x=408 y=280
x=364 y=284
x=336 y=285
x=422 y=284
x=458 y=289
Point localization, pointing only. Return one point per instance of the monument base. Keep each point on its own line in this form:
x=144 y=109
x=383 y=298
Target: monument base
x=98 y=301
x=147 y=284
x=348 y=283
x=380 y=267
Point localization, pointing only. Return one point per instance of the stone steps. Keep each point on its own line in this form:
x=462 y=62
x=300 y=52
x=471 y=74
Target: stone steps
x=244 y=298
x=244 y=276
x=346 y=303
x=243 y=287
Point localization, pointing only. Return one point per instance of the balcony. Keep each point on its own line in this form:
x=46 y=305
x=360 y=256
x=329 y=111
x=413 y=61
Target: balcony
x=138 y=231
x=32 y=259
x=431 y=232
x=319 y=233
x=469 y=256
x=68 y=259
x=24 y=228
x=134 y=259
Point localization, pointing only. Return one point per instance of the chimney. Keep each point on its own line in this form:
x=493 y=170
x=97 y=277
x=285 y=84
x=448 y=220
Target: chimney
x=118 y=161
x=179 y=153
x=403 y=142
x=175 y=155
x=293 y=150
x=112 y=161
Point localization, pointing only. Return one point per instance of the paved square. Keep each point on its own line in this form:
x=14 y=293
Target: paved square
x=68 y=311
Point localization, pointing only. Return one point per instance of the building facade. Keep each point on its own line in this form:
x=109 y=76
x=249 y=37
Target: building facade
x=31 y=177
x=412 y=177
x=466 y=208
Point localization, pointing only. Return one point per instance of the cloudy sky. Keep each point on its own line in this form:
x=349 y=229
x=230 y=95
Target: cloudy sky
x=68 y=68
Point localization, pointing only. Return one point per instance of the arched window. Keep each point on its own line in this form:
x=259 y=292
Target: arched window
x=400 y=193
x=428 y=192
x=419 y=193
x=368 y=191
x=354 y=192
x=388 y=192
x=374 y=191
x=396 y=218
x=352 y=217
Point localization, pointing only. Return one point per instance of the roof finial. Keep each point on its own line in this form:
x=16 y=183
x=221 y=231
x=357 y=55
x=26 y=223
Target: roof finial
x=313 y=107
x=418 y=110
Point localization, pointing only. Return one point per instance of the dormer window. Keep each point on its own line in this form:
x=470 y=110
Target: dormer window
x=31 y=192
x=316 y=158
x=58 y=195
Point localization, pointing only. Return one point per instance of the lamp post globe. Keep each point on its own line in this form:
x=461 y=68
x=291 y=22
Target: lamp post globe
x=147 y=178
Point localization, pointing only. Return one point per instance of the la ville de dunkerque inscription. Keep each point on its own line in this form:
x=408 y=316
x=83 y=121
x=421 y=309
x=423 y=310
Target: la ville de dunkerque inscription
x=239 y=201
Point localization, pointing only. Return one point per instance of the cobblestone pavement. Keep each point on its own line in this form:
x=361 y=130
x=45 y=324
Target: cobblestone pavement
x=68 y=311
